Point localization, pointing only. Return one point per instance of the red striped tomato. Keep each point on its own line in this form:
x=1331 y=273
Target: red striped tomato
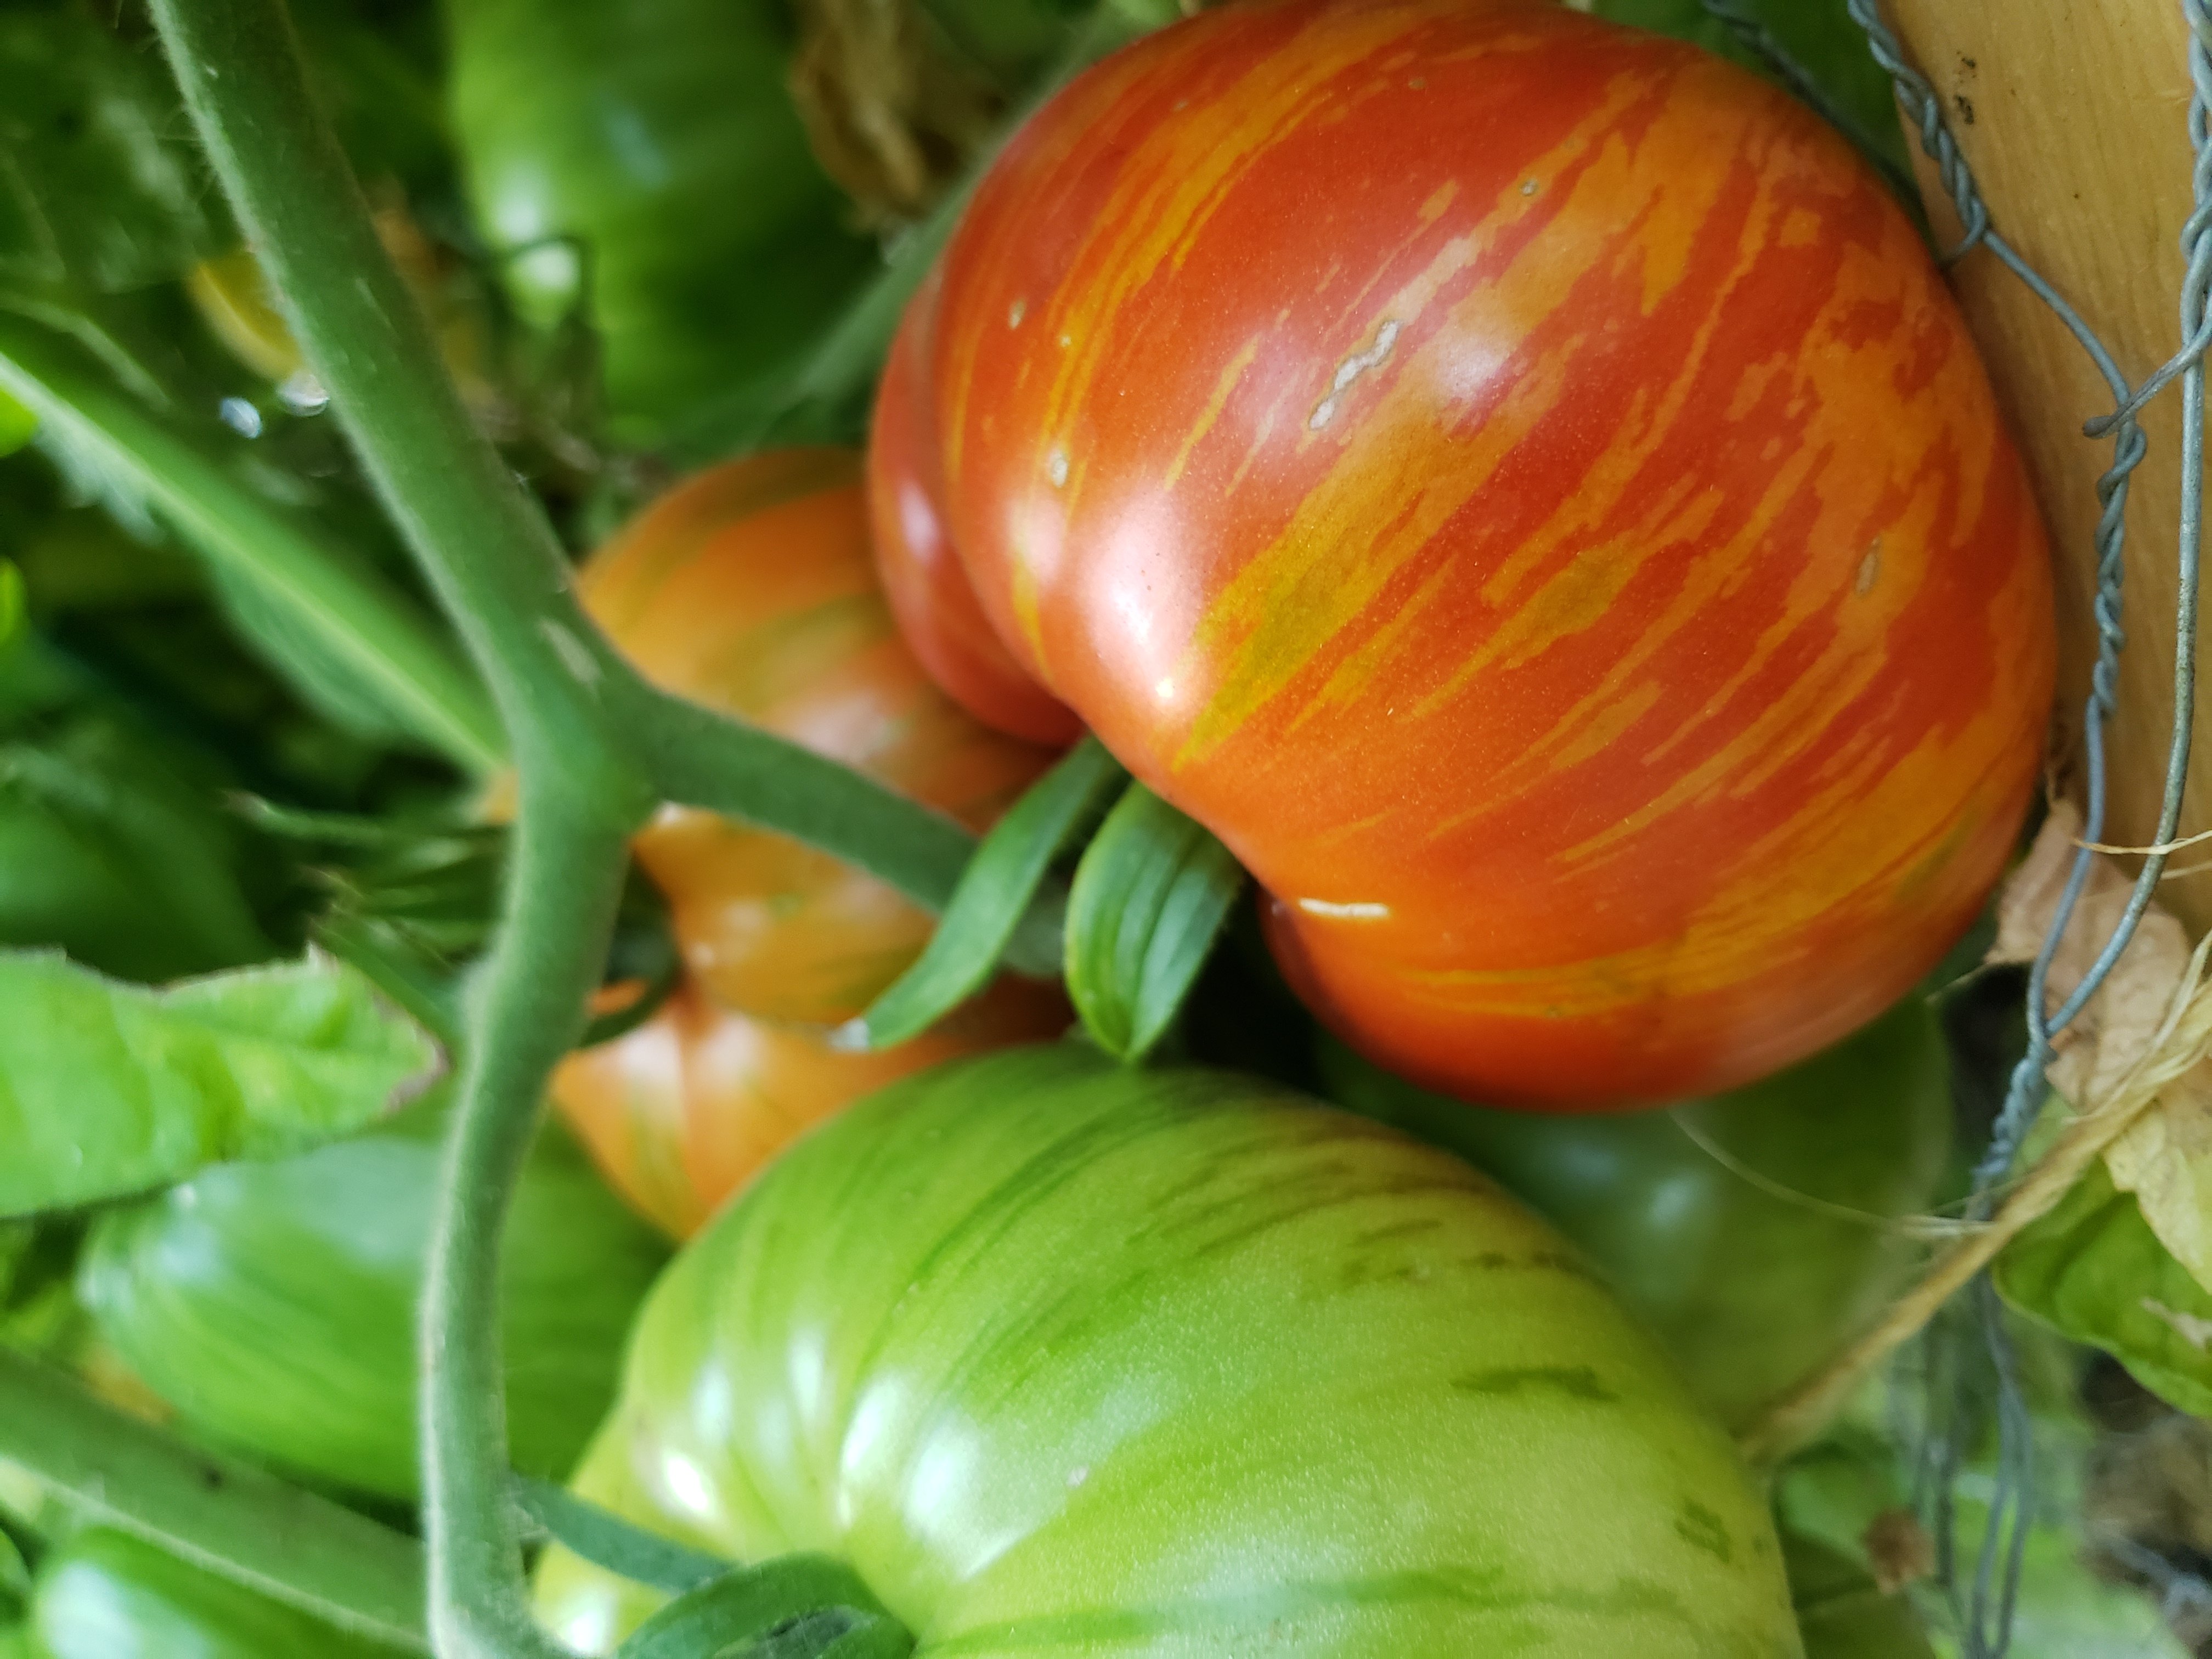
x=1521 y=483
x=929 y=591
x=750 y=588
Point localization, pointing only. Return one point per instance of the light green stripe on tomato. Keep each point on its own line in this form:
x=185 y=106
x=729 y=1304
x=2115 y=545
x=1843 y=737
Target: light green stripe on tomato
x=1067 y=1359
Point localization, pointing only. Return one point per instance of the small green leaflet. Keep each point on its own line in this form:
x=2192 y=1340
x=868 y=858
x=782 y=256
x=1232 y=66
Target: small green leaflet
x=993 y=894
x=1149 y=897
x=606 y=1540
x=108 y=1089
x=2094 y=1270
x=794 y=1607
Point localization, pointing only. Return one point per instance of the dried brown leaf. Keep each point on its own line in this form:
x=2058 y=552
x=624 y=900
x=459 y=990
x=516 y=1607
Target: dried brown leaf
x=2164 y=1158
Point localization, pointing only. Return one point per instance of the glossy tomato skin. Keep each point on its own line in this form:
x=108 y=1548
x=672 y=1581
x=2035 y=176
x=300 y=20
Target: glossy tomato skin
x=1756 y=1232
x=1066 y=1357
x=1520 y=482
x=273 y=1303
x=750 y=588
x=681 y=1112
x=929 y=591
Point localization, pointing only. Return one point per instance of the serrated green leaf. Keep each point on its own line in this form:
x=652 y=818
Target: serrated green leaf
x=994 y=895
x=1149 y=899
x=2094 y=1271
x=108 y=1089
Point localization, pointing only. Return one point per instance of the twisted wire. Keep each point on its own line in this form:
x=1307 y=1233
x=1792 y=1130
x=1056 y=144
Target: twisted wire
x=1986 y=1615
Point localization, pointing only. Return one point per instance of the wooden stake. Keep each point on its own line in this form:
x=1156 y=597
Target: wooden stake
x=2073 y=115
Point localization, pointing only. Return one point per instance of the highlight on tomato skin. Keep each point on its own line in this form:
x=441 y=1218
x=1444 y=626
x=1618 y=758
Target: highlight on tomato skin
x=750 y=588
x=1522 y=483
x=939 y=614
x=683 y=1110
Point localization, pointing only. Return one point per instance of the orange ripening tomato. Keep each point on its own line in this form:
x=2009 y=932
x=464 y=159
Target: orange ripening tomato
x=750 y=588
x=1522 y=485
x=679 y=1113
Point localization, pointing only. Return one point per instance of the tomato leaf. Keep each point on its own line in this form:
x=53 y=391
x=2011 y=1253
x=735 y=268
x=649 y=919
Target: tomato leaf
x=994 y=895
x=106 y=853
x=354 y=645
x=107 y=1089
x=607 y=1540
x=2093 y=1270
x=1149 y=899
x=795 y=1607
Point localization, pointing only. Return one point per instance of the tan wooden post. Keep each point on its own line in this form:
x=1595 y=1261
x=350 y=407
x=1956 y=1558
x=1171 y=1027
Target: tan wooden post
x=2073 y=115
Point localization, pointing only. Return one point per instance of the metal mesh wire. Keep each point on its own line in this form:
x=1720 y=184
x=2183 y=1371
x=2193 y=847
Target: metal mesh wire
x=1983 y=1601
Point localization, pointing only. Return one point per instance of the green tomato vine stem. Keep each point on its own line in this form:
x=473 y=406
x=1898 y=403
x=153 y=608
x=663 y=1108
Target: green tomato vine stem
x=566 y=886
x=233 y=1521
x=595 y=749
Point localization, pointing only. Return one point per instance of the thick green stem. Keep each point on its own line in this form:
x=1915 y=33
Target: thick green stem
x=565 y=887
x=497 y=568
x=594 y=748
x=355 y=618
x=233 y=1521
x=502 y=578
x=701 y=759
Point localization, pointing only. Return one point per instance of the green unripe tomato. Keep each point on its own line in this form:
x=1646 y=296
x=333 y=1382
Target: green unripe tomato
x=1067 y=1358
x=1751 y=1280
x=273 y=1304
x=106 y=1595
x=646 y=153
